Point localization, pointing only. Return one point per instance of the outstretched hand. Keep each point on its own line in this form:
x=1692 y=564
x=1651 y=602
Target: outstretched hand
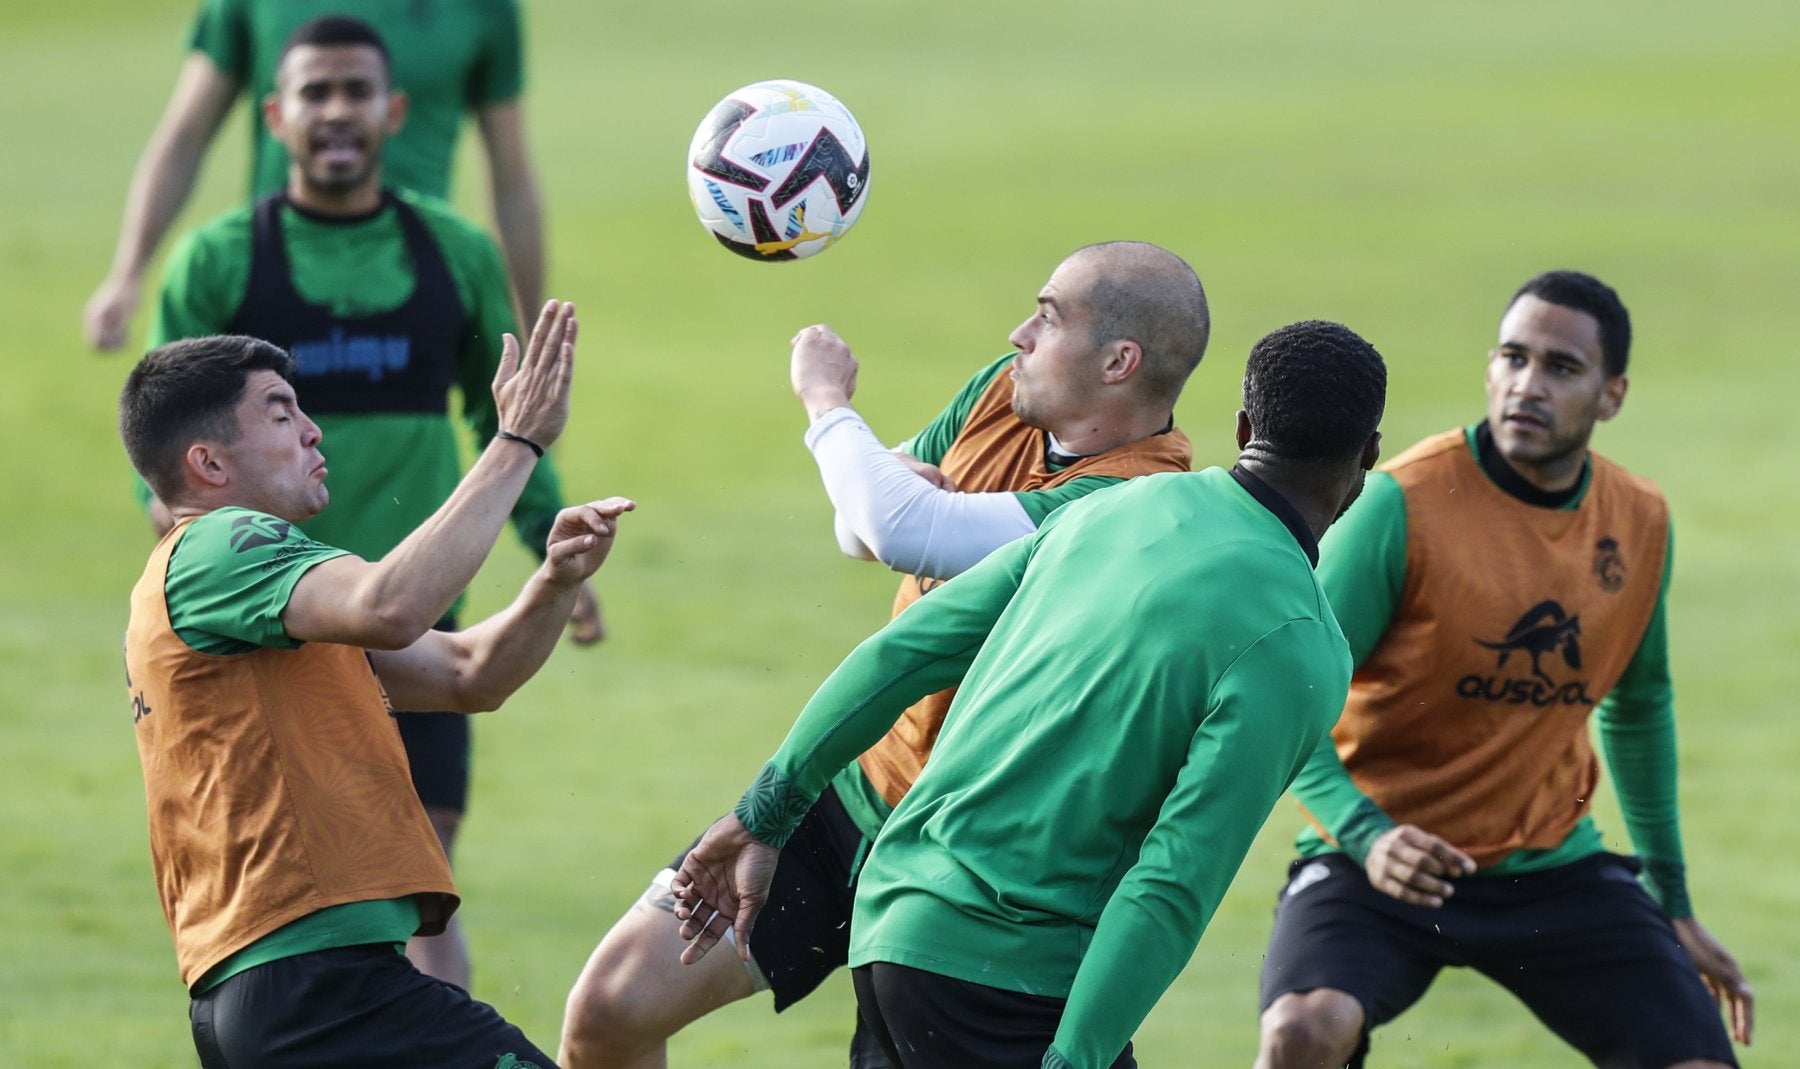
x=822 y=370
x=1723 y=977
x=531 y=389
x=721 y=886
x=581 y=538
x=1415 y=866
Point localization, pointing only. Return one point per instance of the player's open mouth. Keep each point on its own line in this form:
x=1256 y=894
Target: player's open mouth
x=337 y=148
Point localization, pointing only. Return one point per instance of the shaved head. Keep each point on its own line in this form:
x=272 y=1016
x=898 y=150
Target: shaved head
x=1151 y=296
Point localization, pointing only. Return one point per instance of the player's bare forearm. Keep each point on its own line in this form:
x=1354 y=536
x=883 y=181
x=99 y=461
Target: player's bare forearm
x=478 y=669
x=390 y=603
x=160 y=185
x=518 y=207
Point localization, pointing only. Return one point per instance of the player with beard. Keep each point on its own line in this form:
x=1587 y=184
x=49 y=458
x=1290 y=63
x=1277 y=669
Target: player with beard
x=1500 y=586
x=1085 y=402
x=389 y=303
x=452 y=57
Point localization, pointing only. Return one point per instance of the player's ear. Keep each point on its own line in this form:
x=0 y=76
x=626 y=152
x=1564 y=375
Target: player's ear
x=271 y=109
x=1371 y=451
x=399 y=104
x=1123 y=359
x=1612 y=396
x=206 y=464
x=1244 y=430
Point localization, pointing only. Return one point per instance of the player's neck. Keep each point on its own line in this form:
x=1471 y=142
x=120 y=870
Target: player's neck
x=1105 y=430
x=1316 y=492
x=363 y=200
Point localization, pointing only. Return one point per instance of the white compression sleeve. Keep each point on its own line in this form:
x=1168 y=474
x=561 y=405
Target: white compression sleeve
x=890 y=513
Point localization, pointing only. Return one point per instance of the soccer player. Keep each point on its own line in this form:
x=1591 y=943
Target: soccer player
x=291 y=855
x=1140 y=680
x=448 y=58
x=389 y=303
x=1085 y=402
x=1499 y=585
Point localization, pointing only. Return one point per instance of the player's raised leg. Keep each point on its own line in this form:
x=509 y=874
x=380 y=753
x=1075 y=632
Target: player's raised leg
x=634 y=993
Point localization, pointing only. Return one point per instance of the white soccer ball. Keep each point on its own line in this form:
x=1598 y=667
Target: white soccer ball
x=778 y=170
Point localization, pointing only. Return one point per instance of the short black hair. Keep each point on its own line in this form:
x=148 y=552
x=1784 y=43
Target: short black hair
x=1314 y=390
x=1585 y=293
x=338 y=31
x=1153 y=297
x=184 y=391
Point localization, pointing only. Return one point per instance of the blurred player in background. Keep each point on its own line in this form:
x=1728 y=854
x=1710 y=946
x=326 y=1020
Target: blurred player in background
x=1086 y=402
x=389 y=302
x=448 y=57
x=1139 y=681
x=1499 y=585
x=291 y=855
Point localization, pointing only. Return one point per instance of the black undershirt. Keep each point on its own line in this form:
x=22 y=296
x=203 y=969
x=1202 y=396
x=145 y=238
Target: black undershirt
x=1509 y=480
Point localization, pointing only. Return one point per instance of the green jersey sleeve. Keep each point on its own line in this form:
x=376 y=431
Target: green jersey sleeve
x=1039 y=504
x=230 y=577
x=1637 y=732
x=499 y=73
x=1362 y=563
x=1362 y=566
x=922 y=651
x=1263 y=719
x=935 y=440
x=480 y=276
x=222 y=32
x=203 y=282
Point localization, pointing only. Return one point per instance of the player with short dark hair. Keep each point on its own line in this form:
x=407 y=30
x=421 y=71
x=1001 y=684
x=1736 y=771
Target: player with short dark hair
x=450 y=58
x=1585 y=293
x=292 y=857
x=1086 y=401
x=1138 y=682
x=1501 y=586
x=390 y=303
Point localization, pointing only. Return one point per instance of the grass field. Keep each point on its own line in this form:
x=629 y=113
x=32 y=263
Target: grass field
x=1399 y=167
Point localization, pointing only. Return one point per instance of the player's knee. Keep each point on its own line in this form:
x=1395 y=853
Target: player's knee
x=1314 y=1030
x=607 y=1020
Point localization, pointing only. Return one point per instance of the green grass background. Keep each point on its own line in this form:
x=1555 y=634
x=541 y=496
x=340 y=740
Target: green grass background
x=1400 y=167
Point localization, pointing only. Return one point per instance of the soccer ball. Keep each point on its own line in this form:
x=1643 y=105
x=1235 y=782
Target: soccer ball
x=778 y=170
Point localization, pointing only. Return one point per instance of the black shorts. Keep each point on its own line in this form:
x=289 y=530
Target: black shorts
x=437 y=752
x=361 y=1005
x=802 y=934
x=1583 y=946
x=927 y=1021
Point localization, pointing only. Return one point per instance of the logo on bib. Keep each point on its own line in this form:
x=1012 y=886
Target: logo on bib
x=1546 y=631
x=1609 y=564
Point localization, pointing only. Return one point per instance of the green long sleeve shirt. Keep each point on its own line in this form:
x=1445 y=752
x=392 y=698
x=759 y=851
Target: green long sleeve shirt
x=1140 y=681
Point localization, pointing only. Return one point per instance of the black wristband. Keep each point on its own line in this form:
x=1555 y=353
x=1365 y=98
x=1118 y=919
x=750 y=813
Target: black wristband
x=529 y=444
